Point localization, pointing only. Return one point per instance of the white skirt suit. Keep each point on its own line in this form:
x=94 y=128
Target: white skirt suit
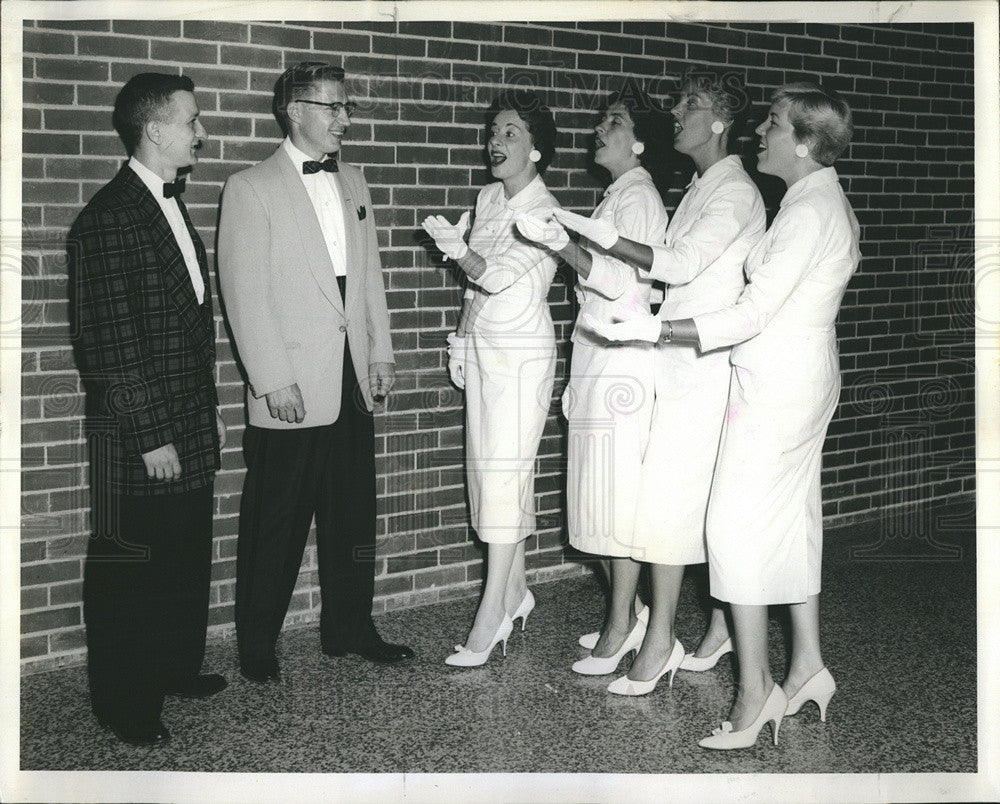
x=510 y=365
x=765 y=527
x=718 y=221
x=609 y=399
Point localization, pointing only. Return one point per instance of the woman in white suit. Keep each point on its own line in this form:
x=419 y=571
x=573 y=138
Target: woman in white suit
x=503 y=354
x=764 y=520
x=609 y=399
x=718 y=221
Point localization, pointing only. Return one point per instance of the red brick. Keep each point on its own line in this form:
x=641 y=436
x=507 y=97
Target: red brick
x=185 y=52
x=116 y=45
x=71 y=69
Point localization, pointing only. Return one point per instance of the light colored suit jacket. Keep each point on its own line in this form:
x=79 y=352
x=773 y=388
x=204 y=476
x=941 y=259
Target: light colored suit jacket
x=280 y=290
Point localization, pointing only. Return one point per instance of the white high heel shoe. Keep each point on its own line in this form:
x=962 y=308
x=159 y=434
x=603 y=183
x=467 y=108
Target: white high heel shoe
x=589 y=641
x=698 y=664
x=525 y=608
x=596 y=666
x=819 y=688
x=629 y=686
x=463 y=657
x=725 y=738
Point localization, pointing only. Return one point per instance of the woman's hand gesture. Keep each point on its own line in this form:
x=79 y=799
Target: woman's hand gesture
x=601 y=232
x=541 y=227
x=449 y=239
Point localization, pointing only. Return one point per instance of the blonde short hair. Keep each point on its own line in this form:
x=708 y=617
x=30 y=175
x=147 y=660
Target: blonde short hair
x=820 y=115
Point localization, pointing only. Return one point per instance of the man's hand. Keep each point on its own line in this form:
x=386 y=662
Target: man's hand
x=220 y=426
x=162 y=463
x=456 y=359
x=286 y=404
x=381 y=378
x=597 y=231
x=643 y=327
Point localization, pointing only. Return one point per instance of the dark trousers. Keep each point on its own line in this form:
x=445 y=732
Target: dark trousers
x=292 y=475
x=145 y=598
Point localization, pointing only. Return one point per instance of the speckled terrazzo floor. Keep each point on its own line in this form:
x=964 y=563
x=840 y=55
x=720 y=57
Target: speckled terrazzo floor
x=899 y=636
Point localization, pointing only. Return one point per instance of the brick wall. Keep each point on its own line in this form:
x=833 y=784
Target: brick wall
x=904 y=432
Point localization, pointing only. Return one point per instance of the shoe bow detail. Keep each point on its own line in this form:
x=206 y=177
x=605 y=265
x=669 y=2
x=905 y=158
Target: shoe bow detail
x=724 y=729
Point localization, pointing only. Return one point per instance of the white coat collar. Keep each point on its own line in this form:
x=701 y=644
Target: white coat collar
x=723 y=165
x=817 y=178
x=631 y=176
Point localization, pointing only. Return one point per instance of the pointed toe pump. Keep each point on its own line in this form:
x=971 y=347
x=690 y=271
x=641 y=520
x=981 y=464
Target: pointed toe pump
x=629 y=686
x=724 y=738
x=819 y=688
x=597 y=666
x=698 y=664
x=463 y=657
x=589 y=641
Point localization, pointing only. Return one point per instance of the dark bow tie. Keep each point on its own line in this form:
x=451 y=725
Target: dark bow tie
x=328 y=165
x=173 y=188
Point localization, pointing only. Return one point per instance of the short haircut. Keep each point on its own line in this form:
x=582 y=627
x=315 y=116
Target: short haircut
x=141 y=100
x=727 y=92
x=651 y=124
x=819 y=115
x=536 y=116
x=297 y=81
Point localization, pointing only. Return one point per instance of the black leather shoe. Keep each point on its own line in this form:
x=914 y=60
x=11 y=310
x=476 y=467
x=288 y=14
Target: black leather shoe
x=260 y=671
x=196 y=686
x=377 y=650
x=150 y=733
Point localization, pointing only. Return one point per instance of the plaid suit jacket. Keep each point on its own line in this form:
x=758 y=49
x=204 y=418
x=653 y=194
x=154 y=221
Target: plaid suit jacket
x=144 y=346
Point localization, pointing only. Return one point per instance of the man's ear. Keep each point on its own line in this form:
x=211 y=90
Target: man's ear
x=152 y=131
x=294 y=112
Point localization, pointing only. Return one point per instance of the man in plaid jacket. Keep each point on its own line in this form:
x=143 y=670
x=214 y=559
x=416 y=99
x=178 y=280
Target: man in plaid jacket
x=145 y=346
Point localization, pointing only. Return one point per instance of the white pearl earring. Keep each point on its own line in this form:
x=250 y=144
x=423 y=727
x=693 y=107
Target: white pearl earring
x=638 y=148
x=718 y=127
x=801 y=151
x=534 y=155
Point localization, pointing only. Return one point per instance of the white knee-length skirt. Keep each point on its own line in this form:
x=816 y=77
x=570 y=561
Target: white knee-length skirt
x=508 y=392
x=765 y=525
x=608 y=403
x=677 y=469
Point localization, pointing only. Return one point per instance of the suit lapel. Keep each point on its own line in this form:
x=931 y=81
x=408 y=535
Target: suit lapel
x=352 y=235
x=310 y=234
x=176 y=278
x=205 y=310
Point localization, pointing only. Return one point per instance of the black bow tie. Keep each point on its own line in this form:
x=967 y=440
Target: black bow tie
x=327 y=165
x=173 y=188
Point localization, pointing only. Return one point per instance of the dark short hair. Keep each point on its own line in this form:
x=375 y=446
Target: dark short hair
x=818 y=114
x=140 y=100
x=536 y=116
x=728 y=94
x=297 y=81
x=651 y=126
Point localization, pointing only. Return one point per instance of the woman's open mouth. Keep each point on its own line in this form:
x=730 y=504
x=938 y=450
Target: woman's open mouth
x=497 y=158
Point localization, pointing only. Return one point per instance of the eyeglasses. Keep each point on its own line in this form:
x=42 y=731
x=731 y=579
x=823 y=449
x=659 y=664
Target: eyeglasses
x=350 y=107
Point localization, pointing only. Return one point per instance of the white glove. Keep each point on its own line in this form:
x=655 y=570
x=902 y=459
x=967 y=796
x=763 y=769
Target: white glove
x=596 y=231
x=456 y=359
x=449 y=239
x=540 y=227
x=643 y=327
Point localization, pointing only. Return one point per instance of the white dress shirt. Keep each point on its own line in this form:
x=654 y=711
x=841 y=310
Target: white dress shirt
x=172 y=212
x=325 y=196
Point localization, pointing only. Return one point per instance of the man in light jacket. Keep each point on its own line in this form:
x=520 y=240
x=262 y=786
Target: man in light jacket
x=302 y=285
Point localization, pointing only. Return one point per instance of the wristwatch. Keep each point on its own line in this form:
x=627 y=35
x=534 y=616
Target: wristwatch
x=670 y=332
